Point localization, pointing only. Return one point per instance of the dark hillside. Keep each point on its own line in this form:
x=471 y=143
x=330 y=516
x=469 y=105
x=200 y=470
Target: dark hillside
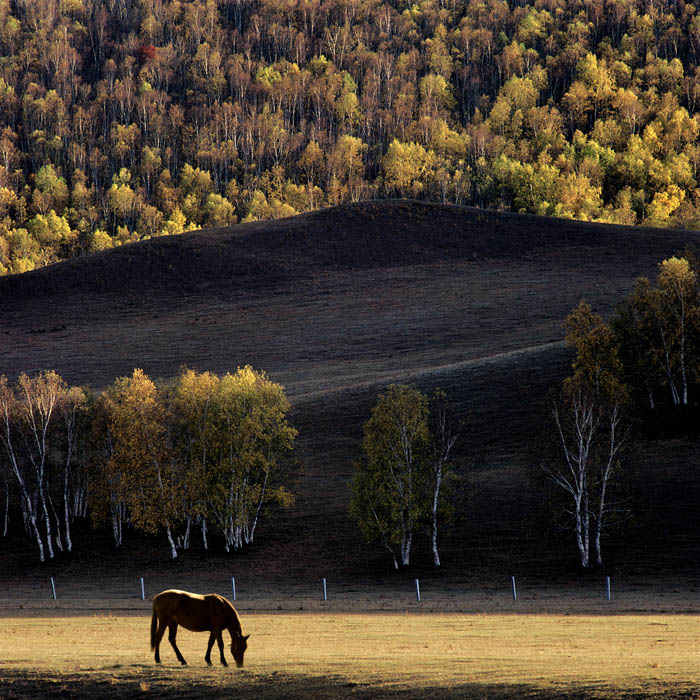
x=336 y=305
x=365 y=235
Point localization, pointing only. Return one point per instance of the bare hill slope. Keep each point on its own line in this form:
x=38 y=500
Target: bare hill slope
x=338 y=303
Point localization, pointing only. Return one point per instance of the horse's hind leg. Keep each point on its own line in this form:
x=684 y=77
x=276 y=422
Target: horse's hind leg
x=207 y=656
x=172 y=633
x=159 y=635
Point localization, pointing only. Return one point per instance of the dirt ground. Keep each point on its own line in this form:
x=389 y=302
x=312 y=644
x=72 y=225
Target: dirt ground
x=336 y=305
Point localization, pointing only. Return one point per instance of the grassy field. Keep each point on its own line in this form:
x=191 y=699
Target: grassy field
x=362 y=655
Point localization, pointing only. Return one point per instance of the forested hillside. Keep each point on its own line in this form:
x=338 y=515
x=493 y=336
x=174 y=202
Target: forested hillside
x=126 y=119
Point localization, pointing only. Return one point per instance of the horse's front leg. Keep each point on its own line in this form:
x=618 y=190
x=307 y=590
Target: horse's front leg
x=172 y=633
x=220 y=641
x=207 y=656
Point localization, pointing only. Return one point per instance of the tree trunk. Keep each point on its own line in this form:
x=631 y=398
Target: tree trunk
x=66 y=509
x=171 y=542
x=406 y=542
x=186 y=538
x=260 y=502
x=436 y=496
x=205 y=544
x=47 y=520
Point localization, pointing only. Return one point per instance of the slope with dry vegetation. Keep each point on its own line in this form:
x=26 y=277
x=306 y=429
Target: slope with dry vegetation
x=335 y=305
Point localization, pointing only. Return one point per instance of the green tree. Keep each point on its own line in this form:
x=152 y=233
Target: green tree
x=399 y=484
x=589 y=425
x=248 y=434
x=667 y=319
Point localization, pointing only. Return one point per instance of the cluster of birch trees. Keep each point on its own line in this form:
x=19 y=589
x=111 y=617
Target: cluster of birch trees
x=42 y=421
x=646 y=360
x=130 y=119
x=402 y=484
x=200 y=451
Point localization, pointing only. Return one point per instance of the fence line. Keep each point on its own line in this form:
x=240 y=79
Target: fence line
x=144 y=588
x=132 y=594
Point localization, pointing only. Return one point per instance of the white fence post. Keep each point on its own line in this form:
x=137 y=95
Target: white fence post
x=607 y=586
x=143 y=590
x=515 y=592
x=417 y=591
x=233 y=587
x=325 y=590
x=53 y=588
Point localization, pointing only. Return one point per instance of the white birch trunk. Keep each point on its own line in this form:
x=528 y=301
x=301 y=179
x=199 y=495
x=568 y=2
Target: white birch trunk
x=260 y=503
x=616 y=441
x=205 y=544
x=406 y=542
x=443 y=444
x=573 y=478
x=171 y=542
x=434 y=538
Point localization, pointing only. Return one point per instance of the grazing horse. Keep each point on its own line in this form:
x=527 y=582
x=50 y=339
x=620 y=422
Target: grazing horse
x=197 y=613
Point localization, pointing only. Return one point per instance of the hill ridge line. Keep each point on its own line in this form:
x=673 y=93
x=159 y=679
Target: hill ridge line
x=398 y=377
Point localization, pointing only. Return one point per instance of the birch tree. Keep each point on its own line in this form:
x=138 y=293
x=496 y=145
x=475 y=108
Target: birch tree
x=151 y=474
x=399 y=486
x=667 y=319
x=590 y=433
x=193 y=397
x=42 y=427
x=249 y=434
x=107 y=497
x=73 y=418
x=17 y=466
x=443 y=441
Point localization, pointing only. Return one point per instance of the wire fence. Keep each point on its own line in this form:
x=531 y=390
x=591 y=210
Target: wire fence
x=133 y=594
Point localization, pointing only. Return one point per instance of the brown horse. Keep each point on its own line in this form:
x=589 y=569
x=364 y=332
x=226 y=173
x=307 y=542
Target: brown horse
x=197 y=613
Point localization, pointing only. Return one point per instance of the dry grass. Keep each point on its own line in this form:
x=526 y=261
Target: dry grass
x=361 y=655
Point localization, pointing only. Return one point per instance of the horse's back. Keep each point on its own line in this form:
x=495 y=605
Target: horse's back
x=193 y=611
x=177 y=594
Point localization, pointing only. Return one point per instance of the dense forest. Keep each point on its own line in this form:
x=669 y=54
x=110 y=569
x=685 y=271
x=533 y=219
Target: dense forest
x=126 y=119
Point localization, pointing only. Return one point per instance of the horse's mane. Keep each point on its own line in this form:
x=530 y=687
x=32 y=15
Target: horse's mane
x=235 y=620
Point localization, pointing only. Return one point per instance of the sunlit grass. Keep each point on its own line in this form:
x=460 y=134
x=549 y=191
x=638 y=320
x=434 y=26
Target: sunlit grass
x=642 y=655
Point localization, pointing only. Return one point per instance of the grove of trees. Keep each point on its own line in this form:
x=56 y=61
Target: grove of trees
x=128 y=119
x=199 y=451
x=643 y=367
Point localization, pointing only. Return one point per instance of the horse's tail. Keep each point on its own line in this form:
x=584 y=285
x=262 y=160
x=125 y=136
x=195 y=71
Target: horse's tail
x=154 y=627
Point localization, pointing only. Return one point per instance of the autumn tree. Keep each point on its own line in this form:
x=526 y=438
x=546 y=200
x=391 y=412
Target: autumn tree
x=661 y=324
x=152 y=475
x=123 y=125
x=589 y=425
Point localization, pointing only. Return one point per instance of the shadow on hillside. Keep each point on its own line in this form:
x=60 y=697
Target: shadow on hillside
x=21 y=685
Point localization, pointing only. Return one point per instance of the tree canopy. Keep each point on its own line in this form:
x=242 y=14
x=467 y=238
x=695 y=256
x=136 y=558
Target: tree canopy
x=126 y=120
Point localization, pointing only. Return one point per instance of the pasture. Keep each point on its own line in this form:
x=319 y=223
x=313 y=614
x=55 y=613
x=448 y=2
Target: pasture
x=377 y=655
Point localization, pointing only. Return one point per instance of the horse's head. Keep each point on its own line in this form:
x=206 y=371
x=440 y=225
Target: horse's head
x=238 y=646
